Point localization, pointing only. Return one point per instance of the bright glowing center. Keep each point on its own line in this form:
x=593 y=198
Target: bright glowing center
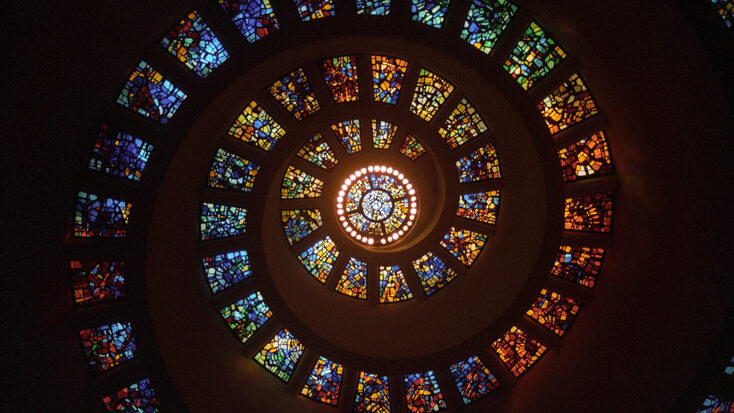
x=376 y=205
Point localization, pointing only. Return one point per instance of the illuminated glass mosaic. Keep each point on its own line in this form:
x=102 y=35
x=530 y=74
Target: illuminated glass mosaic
x=324 y=382
x=255 y=19
x=319 y=258
x=340 y=75
x=373 y=7
x=246 y=316
x=430 y=12
x=422 y=393
x=225 y=270
x=554 y=311
x=221 y=221
x=480 y=165
x=281 y=355
x=463 y=125
x=354 y=279
x=433 y=273
x=299 y=184
x=589 y=213
x=535 y=55
x=314 y=9
x=480 y=206
x=586 y=158
x=726 y=11
x=412 y=147
x=318 y=152
x=714 y=404
x=383 y=133
x=729 y=369
x=256 y=127
x=568 y=105
x=373 y=394
x=233 y=172
x=377 y=205
x=149 y=94
x=299 y=223
x=120 y=154
x=473 y=379
x=194 y=44
x=96 y=216
x=579 y=265
x=517 y=351
x=393 y=287
x=108 y=346
x=97 y=281
x=138 y=397
x=463 y=244
x=295 y=94
x=486 y=21
x=430 y=94
x=388 y=74
x=348 y=134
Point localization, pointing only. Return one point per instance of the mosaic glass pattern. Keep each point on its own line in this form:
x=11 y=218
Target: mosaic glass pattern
x=373 y=7
x=383 y=133
x=729 y=369
x=433 y=273
x=233 y=172
x=388 y=74
x=354 y=279
x=486 y=21
x=96 y=216
x=480 y=206
x=340 y=75
x=480 y=165
x=246 y=316
x=463 y=244
x=714 y=404
x=319 y=258
x=324 y=382
x=473 y=379
x=422 y=393
x=518 y=351
x=348 y=134
x=255 y=19
x=256 y=127
x=299 y=184
x=318 y=152
x=373 y=394
x=149 y=94
x=314 y=9
x=295 y=94
x=299 y=223
x=589 y=213
x=281 y=355
x=393 y=287
x=568 y=105
x=579 y=265
x=120 y=154
x=138 y=397
x=430 y=94
x=97 y=281
x=108 y=345
x=221 y=221
x=554 y=311
x=412 y=147
x=225 y=270
x=463 y=125
x=587 y=158
x=430 y=12
x=535 y=55
x=195 y=45
x=726 y=11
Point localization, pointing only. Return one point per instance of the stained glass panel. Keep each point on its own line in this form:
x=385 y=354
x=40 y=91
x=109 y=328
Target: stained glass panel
x=463 y=244
x=348 y=134
x=473 y=379
x=149 y=94
x=568 y=105
x=430 y=93
x=318 y=152
x=324 y=382
x=580 y=265
x=412 y=148
x=714 y=404
x=726 y=11
x=281 y=354
x=433 y=273
x=120 y=154
x=195 y=45
x=463 y=125
x=246 y=316
x=535 y=55
x=108 y=345
x=256 y=127
x=314 y=9
x=422 y=393
x=294 y=92
x=97 y=281
x=486 y=21
x=255 y=19
x=589 y=213
x=729 y=369
x=430 y=12
x=587 y=158
x=480 y=206
x=340 y=75
x=138 y=397
x=554 y=311
x=221 y=221
x=299 y=223
x=480 y=165
x=518 y=351
x=388 y=74
x=354 y=279
x=373 y=394
x=373 y=7
x=393 y=287
x=319 y=258
x=96 y=216
x=233 y=172
x=299 y=184
x=225 y=270
x=383 y=133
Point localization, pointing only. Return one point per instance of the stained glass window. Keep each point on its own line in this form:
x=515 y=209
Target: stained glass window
x=726 y=11
x=97 y=216
x=299 y=184
x=463 y=244
x=255 y=19
x=294 y=92
x=535 y=55
x=486 y=21
x=729 y=369
x=580 y=265
x=480 y=206
x=120 y=154
x=97 y=281
x=246 y=316
x=281 y=354
x=221 y=221
x=473 y=379
x=340 y=75
x=430 y=93
x=422 y=393
x=348 y=134
x=256 y=127
x=433 y=273
x=194 y=44
x=373 y=394
x=373 y=7
x=518 y=351
x=324 y=382
x=568 y=105
x=314 y=9
x=412 y=148
x=233 y=172
x=148 y=93
x=318 y=152
x=430 y=12
x=463 y=125
x=393 y=287
x=480 y=165
x=354 y=279
x=388 y=74
x=108 y=346
x=299 y=223
x=587 y=158
x=589 y=213
x=138 y=397
x=383 y=133
x=554 y=311
x=319 y=258
x=714 y=404
x=225 y=270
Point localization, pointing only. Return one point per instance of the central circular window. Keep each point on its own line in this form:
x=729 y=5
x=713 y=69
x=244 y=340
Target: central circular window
x=377 y=205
